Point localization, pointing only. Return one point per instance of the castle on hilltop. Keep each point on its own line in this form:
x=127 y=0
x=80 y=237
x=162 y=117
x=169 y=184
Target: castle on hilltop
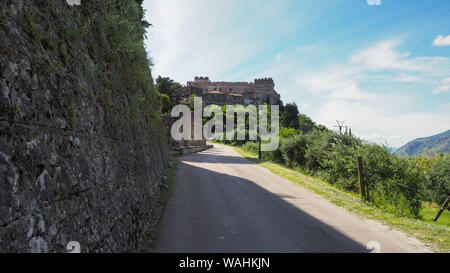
x=223 y=93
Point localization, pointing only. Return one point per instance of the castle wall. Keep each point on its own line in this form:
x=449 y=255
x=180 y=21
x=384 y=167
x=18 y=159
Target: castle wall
x=257 y=92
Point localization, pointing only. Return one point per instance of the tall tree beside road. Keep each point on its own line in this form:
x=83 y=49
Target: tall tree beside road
x=289 y=117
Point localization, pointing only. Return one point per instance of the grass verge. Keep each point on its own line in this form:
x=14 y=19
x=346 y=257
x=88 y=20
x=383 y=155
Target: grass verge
x=435 y=235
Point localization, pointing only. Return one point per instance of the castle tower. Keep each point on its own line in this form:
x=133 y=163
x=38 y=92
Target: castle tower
x=200 y=82
x=265 y=91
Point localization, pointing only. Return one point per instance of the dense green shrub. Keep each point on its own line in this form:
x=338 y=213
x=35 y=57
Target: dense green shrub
x=287 y=132
x=289 y=116
x=437 y=185
x=165 y=100
x=316 y=152
x=251 y=146
x=275 y=156
x=293 y=150
x=340 y=166
x=394 y=182
x=400 y=192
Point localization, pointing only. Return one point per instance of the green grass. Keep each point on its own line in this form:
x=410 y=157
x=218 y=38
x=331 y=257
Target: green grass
x=428 y=212
x=435 y=235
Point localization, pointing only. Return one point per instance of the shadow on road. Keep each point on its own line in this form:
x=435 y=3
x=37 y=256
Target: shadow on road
x=215 y=212
x=211 y=156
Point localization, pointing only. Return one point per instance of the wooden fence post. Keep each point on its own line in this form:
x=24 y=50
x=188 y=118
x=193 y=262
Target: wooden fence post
x=361 y=178
x=366 y=181
x=259 y=148
x=444 y=207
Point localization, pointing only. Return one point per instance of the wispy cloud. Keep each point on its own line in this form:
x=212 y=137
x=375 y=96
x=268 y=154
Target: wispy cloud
x=403 y=77
x=189 y=44
x=202 y=37
x=442 y=41
x=286 y=55
x=333 y=65
x=445 y=87
x=368 y=63
x=374 y=2
x=385 y=56
x=378 y=113
x=336 y=82
x=380 y=121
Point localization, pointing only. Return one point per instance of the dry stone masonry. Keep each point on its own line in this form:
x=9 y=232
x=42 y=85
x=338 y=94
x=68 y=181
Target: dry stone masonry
x=72 y=165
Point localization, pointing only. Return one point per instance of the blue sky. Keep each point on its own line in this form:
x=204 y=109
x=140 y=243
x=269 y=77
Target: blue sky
x=383 y=66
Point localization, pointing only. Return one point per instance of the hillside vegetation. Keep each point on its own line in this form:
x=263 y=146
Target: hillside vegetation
x=399 y=185
x=439 y=143
x=434 y=234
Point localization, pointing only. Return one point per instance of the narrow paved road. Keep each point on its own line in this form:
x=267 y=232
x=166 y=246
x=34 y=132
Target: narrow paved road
x=222 y=202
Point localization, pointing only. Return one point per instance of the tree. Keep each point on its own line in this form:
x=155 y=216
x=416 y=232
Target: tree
x=281 y=105
x=145 y=23
x=165 y=100
x=164 y=85
x=289 y=117
x=306 y=124
x=438 y=179
x=170 y=88
x=191 y=101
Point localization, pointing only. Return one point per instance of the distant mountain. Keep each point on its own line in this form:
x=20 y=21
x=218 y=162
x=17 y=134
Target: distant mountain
x=434 y=144
x=393 y=149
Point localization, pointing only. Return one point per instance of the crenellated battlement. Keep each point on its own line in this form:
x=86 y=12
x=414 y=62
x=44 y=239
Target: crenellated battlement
x=201 y=79
x=264 y=81
x=218 y=92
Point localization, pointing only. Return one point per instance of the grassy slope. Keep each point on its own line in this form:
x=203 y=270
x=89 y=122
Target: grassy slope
x=436 y=235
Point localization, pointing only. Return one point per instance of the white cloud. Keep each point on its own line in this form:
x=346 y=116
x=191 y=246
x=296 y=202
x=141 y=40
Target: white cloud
x=380 y=114
x=403 y=77
x=334 y=83
x=185 y=42
x=445 y=87
x=378 y=122
x=374 y=2
x=384 y=56
x=215 y=43
x=279 y=56
x=445 y=107
x=284 y=55
x=441 y=89
x=442 y=41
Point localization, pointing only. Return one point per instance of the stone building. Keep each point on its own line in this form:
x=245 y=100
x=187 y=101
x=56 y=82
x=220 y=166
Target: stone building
x=192 y=90
x=214 y=97
x=221 y=93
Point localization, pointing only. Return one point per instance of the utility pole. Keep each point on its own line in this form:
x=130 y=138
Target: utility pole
x=362 y=185
x=259 y=147
x=340 y=126
x=259 y=134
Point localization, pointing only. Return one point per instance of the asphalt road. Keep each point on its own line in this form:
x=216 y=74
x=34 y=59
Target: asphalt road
x=222 y=202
